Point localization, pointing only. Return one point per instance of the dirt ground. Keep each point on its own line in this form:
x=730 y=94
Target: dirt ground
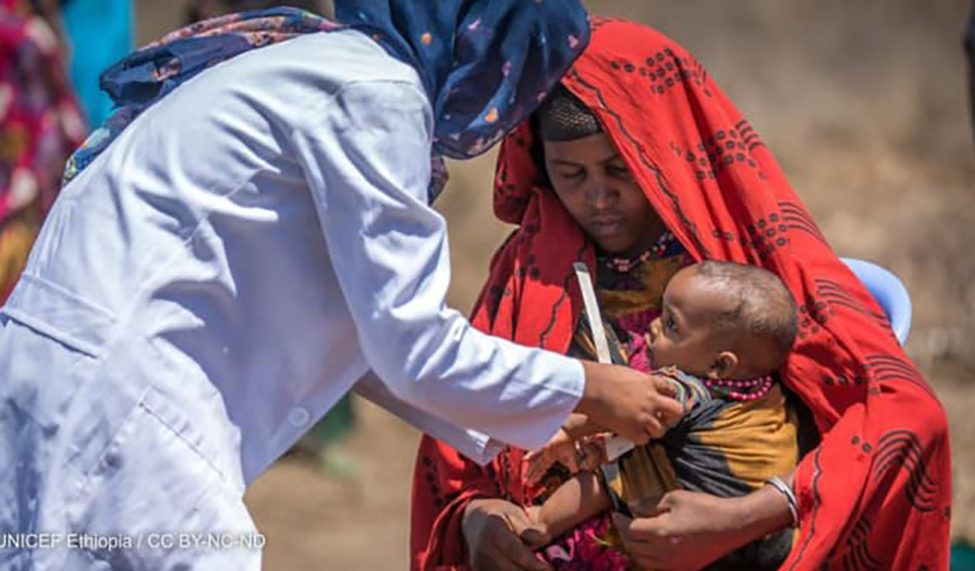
x=864 y=104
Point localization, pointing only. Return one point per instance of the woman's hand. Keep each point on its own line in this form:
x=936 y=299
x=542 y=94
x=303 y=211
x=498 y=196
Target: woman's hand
x=492 y=528
x=688 y=530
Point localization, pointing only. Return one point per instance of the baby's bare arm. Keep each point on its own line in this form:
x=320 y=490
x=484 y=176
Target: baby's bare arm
x=575 y=501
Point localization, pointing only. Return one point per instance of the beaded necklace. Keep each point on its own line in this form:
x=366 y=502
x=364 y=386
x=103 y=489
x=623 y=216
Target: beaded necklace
x=743 y=389
x=728 y=389
x=626 y=265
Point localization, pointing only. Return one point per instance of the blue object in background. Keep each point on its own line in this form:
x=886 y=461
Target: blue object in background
x=963 y=558
x=889 y=292
x=100 y=33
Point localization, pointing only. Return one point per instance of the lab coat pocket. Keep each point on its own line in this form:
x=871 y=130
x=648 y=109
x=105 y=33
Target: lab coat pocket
x=150 y=489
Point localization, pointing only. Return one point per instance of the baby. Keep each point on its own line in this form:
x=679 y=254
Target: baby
x=724 y=328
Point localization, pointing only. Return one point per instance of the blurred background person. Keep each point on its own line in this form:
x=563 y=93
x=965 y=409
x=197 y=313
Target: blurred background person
x=40 y=124
x=99 y=33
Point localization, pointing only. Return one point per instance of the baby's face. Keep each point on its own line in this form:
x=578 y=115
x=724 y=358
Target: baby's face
x=685 y=335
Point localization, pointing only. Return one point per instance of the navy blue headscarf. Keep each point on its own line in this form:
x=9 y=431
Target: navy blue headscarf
x=485 y=64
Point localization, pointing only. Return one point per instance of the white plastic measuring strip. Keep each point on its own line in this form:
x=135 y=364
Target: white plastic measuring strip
x=616 y=446
x=592 y=310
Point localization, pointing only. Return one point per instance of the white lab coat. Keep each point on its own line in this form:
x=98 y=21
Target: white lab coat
x=239 y=258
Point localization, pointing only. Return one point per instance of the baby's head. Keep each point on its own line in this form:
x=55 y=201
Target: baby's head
x=723 y=320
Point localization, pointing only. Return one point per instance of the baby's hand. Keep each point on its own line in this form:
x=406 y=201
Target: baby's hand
x=560 y=449
x=586 y=453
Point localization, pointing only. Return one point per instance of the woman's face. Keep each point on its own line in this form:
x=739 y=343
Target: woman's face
x=592 y=181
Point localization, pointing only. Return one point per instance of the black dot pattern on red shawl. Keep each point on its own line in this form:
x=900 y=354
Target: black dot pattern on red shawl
x=796 y=218
x=726 y=149
x=514 y=200
x=886 y=368
x=837 y=297
x=901 y=450
x=857 y=554
x=431 y=477
x=665 y=70
x=495 y=294
x=813 y=314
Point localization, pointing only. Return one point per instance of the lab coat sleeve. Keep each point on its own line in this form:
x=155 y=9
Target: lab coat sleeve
x=366 y=155
x=477 y=446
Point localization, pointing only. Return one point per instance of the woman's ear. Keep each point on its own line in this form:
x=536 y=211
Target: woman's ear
x=725 y=365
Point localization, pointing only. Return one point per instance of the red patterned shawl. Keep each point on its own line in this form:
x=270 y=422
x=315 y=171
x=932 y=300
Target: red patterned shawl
x=875 y=494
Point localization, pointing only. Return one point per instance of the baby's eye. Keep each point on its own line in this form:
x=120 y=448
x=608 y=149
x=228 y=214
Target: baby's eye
x=671 y=324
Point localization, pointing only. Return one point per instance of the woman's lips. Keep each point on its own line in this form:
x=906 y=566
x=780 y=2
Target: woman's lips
x=608 y=226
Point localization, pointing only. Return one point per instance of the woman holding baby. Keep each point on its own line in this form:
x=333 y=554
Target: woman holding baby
x=639 y=168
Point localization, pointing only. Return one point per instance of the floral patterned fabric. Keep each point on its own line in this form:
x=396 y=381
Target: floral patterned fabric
x=39 y=125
